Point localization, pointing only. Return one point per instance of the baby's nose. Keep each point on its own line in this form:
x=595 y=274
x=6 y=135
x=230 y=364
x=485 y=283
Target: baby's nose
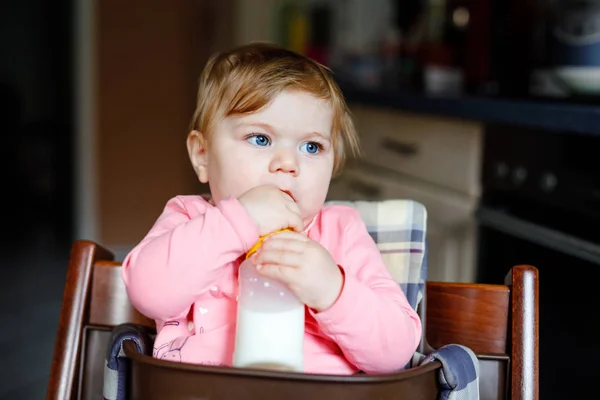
x=284 y=161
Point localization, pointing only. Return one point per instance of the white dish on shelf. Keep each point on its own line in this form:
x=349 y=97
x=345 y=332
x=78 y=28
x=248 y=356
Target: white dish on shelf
x=580 y=80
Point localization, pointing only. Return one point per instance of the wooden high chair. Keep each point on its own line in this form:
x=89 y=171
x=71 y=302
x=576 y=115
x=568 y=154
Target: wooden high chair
x=498 y=322
x=485 y=318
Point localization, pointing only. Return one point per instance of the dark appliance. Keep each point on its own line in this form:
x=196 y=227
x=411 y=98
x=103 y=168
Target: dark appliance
x=541 y=206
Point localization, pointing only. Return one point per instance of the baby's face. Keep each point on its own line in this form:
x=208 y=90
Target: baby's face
x=286 y=144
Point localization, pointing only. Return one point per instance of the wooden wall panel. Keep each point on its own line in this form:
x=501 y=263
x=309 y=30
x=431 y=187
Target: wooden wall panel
x=148 y=60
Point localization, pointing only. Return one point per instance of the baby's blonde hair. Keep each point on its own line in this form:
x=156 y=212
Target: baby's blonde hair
x=247 y=78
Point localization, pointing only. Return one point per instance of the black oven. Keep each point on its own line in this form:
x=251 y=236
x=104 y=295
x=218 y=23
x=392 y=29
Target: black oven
x=541 y=206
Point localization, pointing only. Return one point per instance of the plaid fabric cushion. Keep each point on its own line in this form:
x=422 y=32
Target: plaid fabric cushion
x=398 y=228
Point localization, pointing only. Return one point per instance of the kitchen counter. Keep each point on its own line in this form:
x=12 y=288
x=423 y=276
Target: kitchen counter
x=545 y=115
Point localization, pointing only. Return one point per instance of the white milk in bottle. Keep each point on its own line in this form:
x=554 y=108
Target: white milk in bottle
x=270 y=323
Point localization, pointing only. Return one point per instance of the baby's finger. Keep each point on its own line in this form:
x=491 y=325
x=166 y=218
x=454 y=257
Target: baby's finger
x=278 y=257
x=293 y=207
x=277 y=272
x=289 y=243
x=295 y=222
x=292 y=235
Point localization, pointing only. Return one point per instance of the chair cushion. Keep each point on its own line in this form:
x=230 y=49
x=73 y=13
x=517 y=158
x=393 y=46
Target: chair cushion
x=398 y=227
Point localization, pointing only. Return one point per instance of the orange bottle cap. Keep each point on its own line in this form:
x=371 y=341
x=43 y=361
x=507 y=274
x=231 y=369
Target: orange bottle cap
x=257 y=245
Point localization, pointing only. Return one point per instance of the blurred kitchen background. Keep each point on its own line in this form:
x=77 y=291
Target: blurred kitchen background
x=486 y=111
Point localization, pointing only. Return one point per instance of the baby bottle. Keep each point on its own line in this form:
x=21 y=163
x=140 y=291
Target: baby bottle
x=270 y=322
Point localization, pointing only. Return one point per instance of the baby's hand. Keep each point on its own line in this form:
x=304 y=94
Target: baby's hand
x=304 y=266
x=271 y=209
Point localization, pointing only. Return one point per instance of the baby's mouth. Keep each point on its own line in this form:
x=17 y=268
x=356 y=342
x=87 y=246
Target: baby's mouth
x=289 y=194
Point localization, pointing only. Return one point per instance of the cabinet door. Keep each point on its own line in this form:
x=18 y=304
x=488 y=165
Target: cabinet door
x=442 y=151
x=365 y=183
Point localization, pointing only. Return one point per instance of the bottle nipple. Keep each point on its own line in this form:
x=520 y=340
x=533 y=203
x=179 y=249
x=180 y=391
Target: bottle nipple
x=257 y=245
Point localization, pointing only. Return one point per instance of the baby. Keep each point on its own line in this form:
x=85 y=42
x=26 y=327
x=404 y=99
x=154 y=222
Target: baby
x=270 y=130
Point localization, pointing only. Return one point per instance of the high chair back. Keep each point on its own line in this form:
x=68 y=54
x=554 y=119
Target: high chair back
x=94 y=302
x=500 y=323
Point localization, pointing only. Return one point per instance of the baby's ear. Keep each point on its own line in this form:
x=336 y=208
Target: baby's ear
x=198 y=151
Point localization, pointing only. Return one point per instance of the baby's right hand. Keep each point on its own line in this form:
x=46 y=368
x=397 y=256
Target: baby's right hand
x=271 y=209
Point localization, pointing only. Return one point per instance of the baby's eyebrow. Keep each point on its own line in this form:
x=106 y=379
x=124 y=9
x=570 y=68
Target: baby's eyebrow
x=262 y=125
x=321 y=135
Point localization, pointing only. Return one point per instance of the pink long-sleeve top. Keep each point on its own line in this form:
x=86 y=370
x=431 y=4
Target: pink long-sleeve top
x=183 y=274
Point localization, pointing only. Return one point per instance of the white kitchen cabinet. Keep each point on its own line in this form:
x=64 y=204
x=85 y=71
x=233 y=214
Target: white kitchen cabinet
x=442 y=151
x=430 y=160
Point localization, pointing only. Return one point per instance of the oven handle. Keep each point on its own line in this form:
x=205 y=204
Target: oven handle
x=538 y=234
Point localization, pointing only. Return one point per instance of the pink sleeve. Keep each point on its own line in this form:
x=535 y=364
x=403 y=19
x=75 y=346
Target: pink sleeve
x=184 y=254
x=372 y=322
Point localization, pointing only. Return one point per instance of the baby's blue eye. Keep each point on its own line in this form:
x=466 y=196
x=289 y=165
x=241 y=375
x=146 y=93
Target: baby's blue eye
x=259 y=140
x=311 y=147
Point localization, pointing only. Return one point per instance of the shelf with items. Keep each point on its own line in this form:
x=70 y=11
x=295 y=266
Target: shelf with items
x=551 y=116
x=409 y=56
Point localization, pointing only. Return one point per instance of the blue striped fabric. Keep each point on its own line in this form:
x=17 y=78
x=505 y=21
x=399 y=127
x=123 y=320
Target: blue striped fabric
x=398 y=227
x=459 y=376
x=116 y=368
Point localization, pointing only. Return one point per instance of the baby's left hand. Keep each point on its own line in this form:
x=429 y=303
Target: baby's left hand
x=303 y=265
